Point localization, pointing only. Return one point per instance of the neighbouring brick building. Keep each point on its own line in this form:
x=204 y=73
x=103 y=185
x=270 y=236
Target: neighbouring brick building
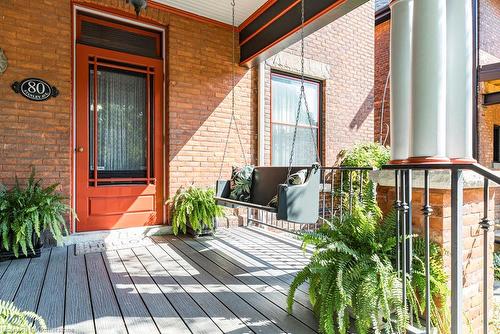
x=37 y=38
x=489 y=53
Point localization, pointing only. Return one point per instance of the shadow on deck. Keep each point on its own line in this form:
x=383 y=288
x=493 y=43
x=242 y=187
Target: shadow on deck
x=235 y=282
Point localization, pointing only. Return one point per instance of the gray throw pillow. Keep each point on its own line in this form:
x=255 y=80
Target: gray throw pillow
x=294 y=180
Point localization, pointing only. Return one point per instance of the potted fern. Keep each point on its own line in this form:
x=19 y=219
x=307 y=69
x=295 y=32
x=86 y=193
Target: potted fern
x=13 y=320
x=194 y=210
x=25 y=213
x=352 y=282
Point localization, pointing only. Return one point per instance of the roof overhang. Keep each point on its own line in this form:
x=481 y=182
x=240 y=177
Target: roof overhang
x=266 y=26
x=278 y=26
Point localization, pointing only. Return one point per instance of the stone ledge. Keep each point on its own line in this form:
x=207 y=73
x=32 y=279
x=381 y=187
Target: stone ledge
x=291 y=63
x=439 y=179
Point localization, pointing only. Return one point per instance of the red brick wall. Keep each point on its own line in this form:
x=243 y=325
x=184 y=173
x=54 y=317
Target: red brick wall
x=346 y=46
x=489 y=39
x=382 y=39
x=36 y=38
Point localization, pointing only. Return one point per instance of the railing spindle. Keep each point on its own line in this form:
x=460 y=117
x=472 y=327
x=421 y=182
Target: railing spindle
x=485 y=226
x=341 y=194
x=397 y=208
x=351 y=192
x=404 y=234
x=427 y=212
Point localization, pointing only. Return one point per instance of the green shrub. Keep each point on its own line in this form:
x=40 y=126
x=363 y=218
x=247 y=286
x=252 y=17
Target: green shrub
x=194 y=206
x=366 y=155
x=27 y=211
x=13 y=320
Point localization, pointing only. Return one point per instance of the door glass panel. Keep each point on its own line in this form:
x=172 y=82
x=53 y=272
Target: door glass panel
x=121 y=123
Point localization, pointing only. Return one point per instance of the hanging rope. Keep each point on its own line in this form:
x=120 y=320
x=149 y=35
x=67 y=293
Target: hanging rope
x=302 y=96
x=233 y=88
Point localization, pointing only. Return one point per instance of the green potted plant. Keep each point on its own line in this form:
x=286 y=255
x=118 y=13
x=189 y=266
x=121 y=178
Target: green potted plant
x=352 y=281
x=194 y=210
x=26 y=212
x=13 y=320
x=353 y=278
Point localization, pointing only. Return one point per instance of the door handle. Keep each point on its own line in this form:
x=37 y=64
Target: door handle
x=80 y=149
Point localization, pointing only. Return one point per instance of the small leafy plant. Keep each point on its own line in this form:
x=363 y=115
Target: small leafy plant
x=194 y=206
x=13 y=320
x=28 y=211
x=366 y=155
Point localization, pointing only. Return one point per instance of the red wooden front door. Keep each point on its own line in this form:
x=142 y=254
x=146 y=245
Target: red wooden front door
x=118 y=139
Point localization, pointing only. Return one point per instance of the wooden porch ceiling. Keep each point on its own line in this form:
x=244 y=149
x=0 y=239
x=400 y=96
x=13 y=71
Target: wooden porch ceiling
x=236 y=282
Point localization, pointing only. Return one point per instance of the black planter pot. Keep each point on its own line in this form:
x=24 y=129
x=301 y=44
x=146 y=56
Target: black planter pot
x=9 y=255
x=204 y=232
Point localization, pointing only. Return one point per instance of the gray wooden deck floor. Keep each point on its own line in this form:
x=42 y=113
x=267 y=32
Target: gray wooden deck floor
x=236 y=282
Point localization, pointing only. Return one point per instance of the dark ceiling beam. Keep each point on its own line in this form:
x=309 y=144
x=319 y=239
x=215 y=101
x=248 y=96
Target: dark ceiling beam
x=491 y=99
x=489 y=72
x=278 y=26
x=382 y=15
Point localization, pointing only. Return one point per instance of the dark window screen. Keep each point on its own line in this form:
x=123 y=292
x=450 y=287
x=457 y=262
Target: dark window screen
x=113 y=38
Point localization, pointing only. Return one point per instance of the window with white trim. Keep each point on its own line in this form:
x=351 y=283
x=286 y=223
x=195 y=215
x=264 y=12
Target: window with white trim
x=285 y=92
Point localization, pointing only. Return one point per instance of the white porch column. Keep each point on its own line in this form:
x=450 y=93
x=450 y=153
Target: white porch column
x=459 y=79
x=428 y=91
x=400 y=67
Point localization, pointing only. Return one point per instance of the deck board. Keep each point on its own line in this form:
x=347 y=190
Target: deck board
x=235 y=282
x=107 y=314
x=271 y=277
x=249 y=243
x=254 y=319
x=11 y=279
x=51 y=305
x=135 y=314
x=202 y=312
x=78 y=313
x=29 y=291
x=3 y=267
x=251 y=294
x=161 y=310
x=277 y=297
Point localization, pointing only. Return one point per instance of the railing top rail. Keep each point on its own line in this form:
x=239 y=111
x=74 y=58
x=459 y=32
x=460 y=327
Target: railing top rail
x=347 y=168
x=479 y=169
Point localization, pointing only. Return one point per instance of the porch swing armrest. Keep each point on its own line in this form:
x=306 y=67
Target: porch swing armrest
x=300 y=203
x=223 y=188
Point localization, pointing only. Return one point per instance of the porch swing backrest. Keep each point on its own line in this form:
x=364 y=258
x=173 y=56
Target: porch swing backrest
x=266 y=180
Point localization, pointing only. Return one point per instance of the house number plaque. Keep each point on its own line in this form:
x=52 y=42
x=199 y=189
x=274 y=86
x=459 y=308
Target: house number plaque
x=35 y=89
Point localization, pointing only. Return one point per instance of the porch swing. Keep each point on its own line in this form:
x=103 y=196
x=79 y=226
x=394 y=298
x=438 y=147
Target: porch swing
x=296 y=203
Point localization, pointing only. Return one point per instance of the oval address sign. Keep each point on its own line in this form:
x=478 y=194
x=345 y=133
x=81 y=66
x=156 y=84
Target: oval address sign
x=35 y=89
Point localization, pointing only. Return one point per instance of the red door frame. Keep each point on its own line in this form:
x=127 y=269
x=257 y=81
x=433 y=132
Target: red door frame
x=107 y=197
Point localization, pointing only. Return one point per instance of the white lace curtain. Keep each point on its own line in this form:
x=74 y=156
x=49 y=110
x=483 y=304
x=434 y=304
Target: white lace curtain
x=285 y=98
x=122 y=121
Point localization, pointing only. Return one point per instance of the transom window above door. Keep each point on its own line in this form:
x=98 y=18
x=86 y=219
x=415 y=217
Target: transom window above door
x=285 y=92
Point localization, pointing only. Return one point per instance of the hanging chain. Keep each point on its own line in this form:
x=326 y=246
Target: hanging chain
x=302 y=96
x=233 y=108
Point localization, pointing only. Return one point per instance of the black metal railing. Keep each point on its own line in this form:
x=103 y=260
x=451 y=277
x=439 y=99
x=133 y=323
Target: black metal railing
x=403 y=205
x=340 y=186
